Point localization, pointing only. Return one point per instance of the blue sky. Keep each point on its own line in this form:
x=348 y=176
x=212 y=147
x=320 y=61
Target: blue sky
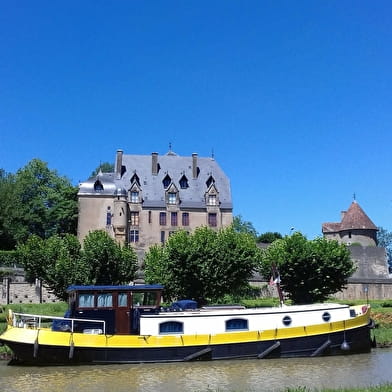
x=292 y=97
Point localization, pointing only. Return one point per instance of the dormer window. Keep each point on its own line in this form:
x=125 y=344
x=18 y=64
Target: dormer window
x=212 y=200
x=98 y=187
x=210 y=181
x=166 y=181
x=184 y=182
x=134 y=197
x=135 y=179
x=172 y=198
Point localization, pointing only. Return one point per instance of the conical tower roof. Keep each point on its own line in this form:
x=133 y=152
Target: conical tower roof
x=356 y=218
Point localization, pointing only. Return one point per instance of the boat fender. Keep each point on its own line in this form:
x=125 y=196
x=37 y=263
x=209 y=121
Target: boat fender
x=71 y=350
x=198 y=354
x=36 y=347
x=372 y=324
x=10 y=316
x=345 y=346
x=321 y=349
x=268 y=350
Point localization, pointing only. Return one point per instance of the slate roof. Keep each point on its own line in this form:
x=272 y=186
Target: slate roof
x=152 y=189
x=354 y=218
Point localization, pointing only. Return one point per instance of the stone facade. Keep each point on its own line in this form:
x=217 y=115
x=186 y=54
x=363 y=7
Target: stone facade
x=18 y=292
x=147 y=198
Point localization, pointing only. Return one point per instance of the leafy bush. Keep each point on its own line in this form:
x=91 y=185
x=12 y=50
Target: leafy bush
x=8 y=258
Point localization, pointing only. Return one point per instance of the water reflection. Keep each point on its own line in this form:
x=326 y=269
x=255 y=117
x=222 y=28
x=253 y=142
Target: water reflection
x=245 y=375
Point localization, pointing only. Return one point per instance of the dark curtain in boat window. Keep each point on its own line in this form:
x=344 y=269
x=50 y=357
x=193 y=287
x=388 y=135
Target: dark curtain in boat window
x=171 y=327
x=235 y=324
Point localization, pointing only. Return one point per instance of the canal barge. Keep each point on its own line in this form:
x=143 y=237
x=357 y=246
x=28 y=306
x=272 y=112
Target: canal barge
x=128 y=324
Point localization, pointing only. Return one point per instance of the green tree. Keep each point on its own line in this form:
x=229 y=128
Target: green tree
x=310 y=271
x=108 y=262
x=7 y=182
x=242 y=226
x=384 y=239
x=104 y=167
x=205 y=265
x=60 y=262
x=37 y=201
x=56 y=261
x=269 y=237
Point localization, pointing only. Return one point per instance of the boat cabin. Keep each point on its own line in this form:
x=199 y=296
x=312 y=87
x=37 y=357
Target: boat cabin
x=119 y=306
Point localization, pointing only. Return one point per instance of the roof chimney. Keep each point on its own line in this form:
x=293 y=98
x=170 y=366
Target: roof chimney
x=194 y=165
x=119 y=163
x=154 y=163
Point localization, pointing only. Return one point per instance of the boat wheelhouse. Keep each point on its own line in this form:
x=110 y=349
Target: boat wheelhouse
x=119 y=307
x=128 y=324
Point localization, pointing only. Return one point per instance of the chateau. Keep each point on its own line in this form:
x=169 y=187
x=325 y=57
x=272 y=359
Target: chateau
x=148 y=197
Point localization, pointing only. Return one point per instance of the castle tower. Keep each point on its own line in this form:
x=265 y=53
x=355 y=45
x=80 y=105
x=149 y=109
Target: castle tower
x=355 y=227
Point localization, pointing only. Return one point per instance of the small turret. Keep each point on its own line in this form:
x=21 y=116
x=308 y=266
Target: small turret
x=120 y=215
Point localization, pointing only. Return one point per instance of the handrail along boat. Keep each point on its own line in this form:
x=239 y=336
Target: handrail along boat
x=128 y=324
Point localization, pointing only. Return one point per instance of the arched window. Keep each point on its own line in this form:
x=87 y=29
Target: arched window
x=236 y=324
x=171 y=327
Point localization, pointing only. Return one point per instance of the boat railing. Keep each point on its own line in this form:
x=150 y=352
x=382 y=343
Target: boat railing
x=37 y=321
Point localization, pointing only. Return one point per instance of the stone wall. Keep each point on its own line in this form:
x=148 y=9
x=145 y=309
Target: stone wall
x=371 y=262
x=14 y=292
x=367 y=289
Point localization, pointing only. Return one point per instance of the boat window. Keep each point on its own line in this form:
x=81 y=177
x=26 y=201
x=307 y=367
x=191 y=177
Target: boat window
x=235 y=324
x=171 y=327
x=150 y=298
x=144 y=298
x=286 y=320
x=86 y=301
x=326 y=316
x=104 y=300
x=122 y=299
x=137 y=299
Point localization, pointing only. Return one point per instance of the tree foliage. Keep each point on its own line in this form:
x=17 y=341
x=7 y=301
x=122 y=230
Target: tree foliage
x=36 y=200
x=269 y=237
x=56 y=261
x=384 y=239
x=108 y=262
x=6 y=195
x=205 y=265
x=242 y=226
x=310 y=271
x=104 y=167
x=60 y=262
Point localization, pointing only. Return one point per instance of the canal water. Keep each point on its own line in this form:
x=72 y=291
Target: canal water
x=242 y=375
